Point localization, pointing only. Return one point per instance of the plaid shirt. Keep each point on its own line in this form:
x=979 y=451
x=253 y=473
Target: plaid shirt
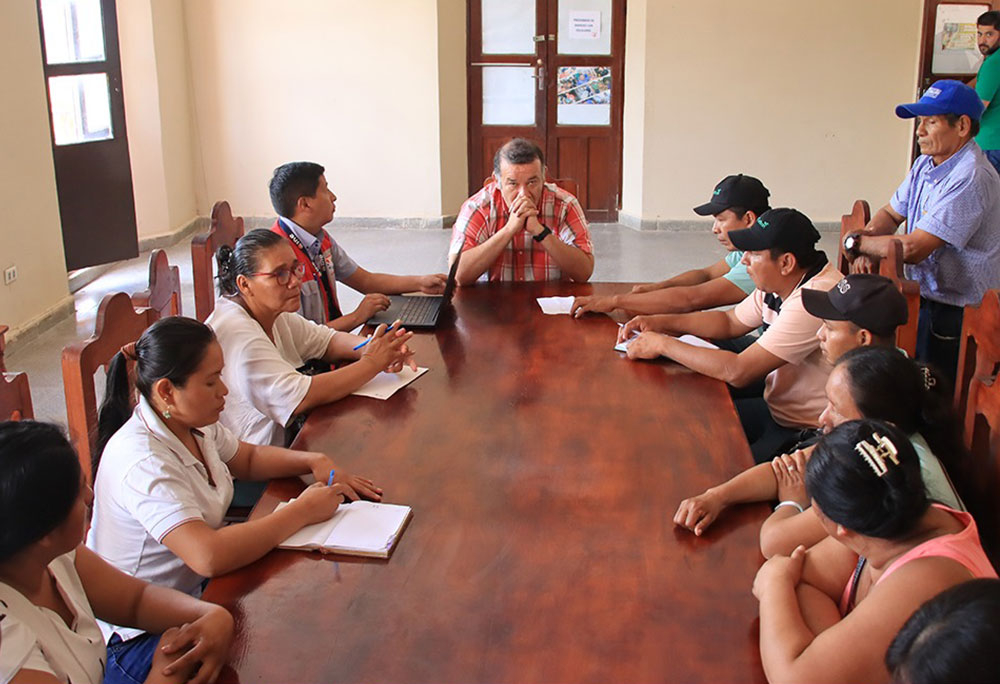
x=522 y=259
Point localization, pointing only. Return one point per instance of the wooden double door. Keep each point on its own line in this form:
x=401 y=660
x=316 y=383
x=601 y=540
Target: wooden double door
x=551 y=71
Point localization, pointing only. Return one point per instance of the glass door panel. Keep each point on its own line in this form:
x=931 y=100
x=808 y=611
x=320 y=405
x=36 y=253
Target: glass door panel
x=81 y=108
x=508 y=96
x=584 y=27
x=584 y=96
x=508 y=27
x=74 y=31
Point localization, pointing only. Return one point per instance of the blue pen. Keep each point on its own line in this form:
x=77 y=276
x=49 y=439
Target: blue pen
x=370 y=339
x=329 y=482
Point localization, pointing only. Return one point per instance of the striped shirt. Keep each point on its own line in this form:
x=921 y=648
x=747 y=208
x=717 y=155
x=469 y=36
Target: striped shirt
x=522 y=259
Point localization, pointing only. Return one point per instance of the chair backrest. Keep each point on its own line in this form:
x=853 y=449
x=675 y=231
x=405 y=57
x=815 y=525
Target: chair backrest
x=225 y=230
x=977 y=400
x=118 y=323
x=892 y=268
x=3 y=346
x=164 y=292
x=859 y=217
x=15 y=397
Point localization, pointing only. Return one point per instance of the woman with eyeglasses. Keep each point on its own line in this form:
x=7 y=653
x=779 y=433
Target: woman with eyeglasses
x=264 y=341
x=829 y=614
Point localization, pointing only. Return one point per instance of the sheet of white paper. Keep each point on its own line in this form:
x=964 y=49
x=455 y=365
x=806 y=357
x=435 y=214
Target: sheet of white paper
x=555 y=305
x=623 y=345
x=384 y=385
x=696 y=341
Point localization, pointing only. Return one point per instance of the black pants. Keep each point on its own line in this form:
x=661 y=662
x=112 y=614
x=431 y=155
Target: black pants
x=767 y=439
x=939 y=336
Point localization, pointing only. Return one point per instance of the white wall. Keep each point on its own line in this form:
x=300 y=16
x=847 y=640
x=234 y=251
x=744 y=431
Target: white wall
x=801 y=96
x=30 y=233
x=351 y=85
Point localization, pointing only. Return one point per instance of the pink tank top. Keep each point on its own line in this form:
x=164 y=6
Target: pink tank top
x=963 y=547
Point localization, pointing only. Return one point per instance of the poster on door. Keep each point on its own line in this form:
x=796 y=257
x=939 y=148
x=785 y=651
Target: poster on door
x=584 y=96
x=955 y=48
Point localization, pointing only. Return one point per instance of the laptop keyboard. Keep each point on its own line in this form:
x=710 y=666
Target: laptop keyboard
x=418 y=310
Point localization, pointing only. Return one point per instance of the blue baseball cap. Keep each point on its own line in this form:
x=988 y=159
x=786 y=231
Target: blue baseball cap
x=944 y=97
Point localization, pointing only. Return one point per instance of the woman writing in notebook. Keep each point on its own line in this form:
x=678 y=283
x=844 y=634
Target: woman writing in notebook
x=164 y=473
x=264 y=341
x=867 y=382
x=53 y=589
x=829 y=614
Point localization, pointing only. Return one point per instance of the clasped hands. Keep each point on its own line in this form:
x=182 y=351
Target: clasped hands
x=524 y=216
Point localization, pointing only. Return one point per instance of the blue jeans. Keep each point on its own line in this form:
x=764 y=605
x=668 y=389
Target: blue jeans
x=994 y=157
x=129 y=661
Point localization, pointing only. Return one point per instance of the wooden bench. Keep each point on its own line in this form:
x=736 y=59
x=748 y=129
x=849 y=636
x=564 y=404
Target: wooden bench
x=164 y=292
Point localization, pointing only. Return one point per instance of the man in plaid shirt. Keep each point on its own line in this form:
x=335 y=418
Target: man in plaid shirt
x=519 y=228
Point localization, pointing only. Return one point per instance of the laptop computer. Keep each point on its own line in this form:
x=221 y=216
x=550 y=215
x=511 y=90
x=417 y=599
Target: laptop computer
x=418 y=311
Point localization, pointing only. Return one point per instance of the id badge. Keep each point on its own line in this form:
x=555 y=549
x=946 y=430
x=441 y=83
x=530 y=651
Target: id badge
x=328 y=260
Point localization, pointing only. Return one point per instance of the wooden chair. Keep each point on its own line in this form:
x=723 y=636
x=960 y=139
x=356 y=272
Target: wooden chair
x=859 y=217
x=164 y=292
x=118 y=323
x=977 y=400
x=15 y=397
x=3 y=345
x=225 y=230
x=891 y=267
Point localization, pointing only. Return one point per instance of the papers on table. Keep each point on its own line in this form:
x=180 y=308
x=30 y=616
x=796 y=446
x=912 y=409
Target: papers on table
x=696 y=341
x=360 y=528
x=555 y=305
x=384 y=385
x=693 y=340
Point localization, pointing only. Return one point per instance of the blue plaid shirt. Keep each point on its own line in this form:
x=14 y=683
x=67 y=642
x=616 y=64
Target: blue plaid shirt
x=959 y=202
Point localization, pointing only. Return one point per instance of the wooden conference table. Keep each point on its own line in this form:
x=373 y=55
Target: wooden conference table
x=543 y=470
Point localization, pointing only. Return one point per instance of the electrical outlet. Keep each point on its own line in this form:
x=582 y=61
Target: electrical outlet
x=9 y=275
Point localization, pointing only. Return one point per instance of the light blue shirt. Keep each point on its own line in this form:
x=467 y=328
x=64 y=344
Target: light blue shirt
x=959 y=202
x=738 y=275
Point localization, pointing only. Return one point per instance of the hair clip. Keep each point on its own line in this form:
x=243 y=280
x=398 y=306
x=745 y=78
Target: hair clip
x=128 y=351
x=876 y=454
x=929 y=380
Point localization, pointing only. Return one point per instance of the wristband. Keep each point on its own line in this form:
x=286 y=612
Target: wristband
x=545 y=232
x=790 y=503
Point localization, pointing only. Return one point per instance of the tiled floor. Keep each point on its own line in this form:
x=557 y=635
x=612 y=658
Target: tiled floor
x=622 y=255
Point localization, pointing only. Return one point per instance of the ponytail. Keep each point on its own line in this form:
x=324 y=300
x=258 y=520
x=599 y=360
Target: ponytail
x=116 y=408
x=242 y=259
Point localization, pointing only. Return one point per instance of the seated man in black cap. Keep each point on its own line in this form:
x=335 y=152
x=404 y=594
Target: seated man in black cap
x=736 y=203
x=782 y=259
x=862 y=310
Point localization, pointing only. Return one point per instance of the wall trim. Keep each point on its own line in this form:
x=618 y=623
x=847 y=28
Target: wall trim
x=199 y=224
x=33 y=327
x=695 y=225
x=406 y=223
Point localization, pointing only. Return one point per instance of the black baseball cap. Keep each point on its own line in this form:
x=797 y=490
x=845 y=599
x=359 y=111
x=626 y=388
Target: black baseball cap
x=787 y=229
x=735 y=191
x=868 y=301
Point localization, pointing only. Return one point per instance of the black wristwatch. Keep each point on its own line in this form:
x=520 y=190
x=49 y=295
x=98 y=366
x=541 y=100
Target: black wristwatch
x=852 y=245
x=542 y=235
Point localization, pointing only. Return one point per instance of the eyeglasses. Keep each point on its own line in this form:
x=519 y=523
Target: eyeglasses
x=284 y=274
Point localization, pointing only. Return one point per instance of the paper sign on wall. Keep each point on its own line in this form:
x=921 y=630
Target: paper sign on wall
x=585 y=25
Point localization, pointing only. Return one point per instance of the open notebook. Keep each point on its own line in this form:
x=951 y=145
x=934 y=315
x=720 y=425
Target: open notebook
x=360 y=528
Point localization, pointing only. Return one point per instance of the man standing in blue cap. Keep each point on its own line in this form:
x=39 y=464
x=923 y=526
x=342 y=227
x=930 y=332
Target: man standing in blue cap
x=950 y=201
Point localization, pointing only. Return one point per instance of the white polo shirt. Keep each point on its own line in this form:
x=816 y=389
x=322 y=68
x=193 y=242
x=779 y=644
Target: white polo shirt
x=264 y=387
x=147 y=484
x=36 y=638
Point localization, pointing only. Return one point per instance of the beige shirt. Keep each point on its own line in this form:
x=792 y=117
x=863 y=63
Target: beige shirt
x=795 y=391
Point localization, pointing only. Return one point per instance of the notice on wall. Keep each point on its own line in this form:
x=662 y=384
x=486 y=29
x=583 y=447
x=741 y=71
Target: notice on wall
x=585 y=25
